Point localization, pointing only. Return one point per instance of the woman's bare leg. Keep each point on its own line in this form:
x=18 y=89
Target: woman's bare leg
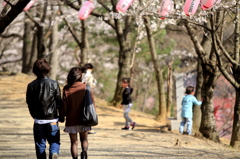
x=74 y=145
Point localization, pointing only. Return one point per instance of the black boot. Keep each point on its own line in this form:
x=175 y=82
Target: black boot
x=74 y=157
x=84 y=155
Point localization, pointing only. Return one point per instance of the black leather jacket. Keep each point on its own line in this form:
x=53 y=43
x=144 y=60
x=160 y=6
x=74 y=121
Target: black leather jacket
x=43 y=98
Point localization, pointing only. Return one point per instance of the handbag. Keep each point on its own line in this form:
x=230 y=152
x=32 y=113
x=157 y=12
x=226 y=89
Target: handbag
x=88 y=114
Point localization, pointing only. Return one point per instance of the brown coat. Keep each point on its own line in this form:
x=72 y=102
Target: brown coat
x=72 y=103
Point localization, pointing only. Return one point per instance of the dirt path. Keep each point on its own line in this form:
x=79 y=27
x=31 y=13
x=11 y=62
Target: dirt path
x=110 y=142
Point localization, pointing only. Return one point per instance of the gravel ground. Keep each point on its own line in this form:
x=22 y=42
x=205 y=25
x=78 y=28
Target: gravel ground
x=147 y=140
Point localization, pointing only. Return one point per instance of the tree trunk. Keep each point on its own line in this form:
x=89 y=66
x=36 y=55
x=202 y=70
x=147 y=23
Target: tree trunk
x=210 y=74
x=125 y=53
x=162 y=115
x=235 y=140
x=169 y=90
x=146 y=93
x=54 y=50
x=174 y=97
x=84 y=44
x=159 y=78
x=208 y=126
x=40 y=30
x=27 y=52
x=197 y=114
x=40 y=46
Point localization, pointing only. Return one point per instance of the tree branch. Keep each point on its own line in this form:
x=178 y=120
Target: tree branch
x=12 y=14
x=10 y=35
x=220 y=65
x=32 y=19
x=70 y=28
x=109 y=22
x=208 y=29
x=70 y=4
x=171 y=28
x=8 y=2
x=226 y=54
x=228 y=38
x=237 y=33
x=135 y=45
x=108 y=9
x=198 y=47
x=44 y=13
x=11 y=61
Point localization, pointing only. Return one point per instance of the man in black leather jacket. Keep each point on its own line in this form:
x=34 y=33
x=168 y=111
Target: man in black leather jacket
x=44 y=99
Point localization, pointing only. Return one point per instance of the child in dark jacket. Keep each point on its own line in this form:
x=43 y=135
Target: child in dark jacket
x=127 y=103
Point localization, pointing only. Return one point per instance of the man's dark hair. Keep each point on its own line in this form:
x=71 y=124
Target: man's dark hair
x=88 y=66
x=41 y=67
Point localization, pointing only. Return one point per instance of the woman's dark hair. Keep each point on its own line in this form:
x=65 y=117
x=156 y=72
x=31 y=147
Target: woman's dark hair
x=41 y=67
x=74 y=75
x=88 y=66
x=189 y=89
x=127 y=81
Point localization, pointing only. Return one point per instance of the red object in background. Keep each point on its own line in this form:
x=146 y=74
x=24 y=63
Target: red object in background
x=123 y=5
x=165 y=9
x=203 y=7
x=223 y=113
x=29 y=5
x=207 y=4
x=190 y=7
x=85 y=10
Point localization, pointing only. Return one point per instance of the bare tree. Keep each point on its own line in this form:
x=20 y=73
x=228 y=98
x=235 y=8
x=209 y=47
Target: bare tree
x=210 y=73
x=197 y=117
x=54 y=51
x=232 y=59
x=83 y=41
x=29 y=51
x=158 y=73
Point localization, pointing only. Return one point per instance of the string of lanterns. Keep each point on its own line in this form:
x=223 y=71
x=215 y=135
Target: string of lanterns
x=166 y=7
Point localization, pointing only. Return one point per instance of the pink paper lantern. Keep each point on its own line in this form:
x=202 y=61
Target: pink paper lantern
x=203 y=7
x=29 y=5
x=85 y=10
x=190 y=7
x=165 y=9
x=208 y=3
x=123 y=5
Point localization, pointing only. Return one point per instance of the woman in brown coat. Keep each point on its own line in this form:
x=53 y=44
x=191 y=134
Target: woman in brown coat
x=73 y=96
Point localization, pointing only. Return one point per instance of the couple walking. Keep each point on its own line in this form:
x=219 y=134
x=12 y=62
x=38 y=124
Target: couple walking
x=47 y=107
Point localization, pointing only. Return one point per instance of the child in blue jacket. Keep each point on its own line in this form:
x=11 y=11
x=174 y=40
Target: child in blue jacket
x=187 y=112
